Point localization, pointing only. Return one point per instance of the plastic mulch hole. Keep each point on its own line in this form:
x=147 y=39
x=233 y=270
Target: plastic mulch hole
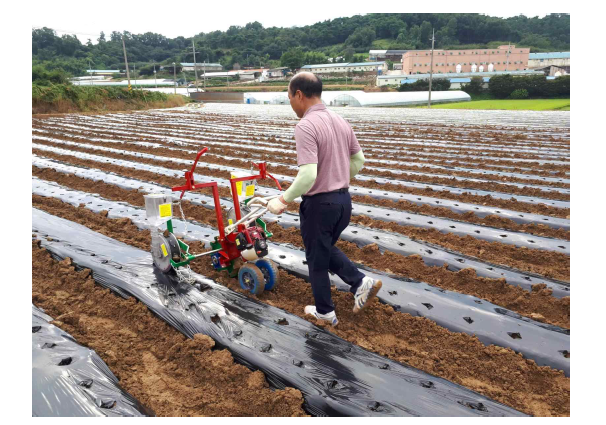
x=560 y=246
x=427 y=384
x=106 y=404
x=282 y=257
x=392 y=292
x=430 y=222
x=49 y=345
x=468 y=320
x=530 y=240
x=475 y=406
x=282 y=321
x=384 y=366
x=65 y=362
x=401 y=244
x=86 y=383
x=375 y=237
x=514 y=335
x=215 y=319
x=36 y=329
x=237 y=333
x=332 y=384
x=452 y=227
x=503 y=236
x=297 y=363
x=460 y=260
x=354 y=232
x=265 y=348
x=376 y=407
x=429 y=306
x=477 y=231
x=565 y=353
x=477 y=301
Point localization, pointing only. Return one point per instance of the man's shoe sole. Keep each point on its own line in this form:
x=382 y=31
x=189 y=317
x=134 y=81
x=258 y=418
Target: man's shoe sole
x=373 y=293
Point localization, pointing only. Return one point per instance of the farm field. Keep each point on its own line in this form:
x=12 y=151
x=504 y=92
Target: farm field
x=464 y=215
x=510 y=104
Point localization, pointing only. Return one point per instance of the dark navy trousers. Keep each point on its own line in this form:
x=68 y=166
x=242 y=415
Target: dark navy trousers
x=323 y=218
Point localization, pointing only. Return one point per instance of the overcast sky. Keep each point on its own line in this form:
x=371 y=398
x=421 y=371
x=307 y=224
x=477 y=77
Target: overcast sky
x=173 y=19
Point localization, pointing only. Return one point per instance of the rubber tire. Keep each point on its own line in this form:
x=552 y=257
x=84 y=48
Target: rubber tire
x=256 y=274
x=267 y=265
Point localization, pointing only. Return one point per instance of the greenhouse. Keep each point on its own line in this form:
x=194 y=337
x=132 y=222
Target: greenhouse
x=358 y=98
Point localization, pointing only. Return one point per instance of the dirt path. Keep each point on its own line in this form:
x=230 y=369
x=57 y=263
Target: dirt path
x=537 y=304
x=164 y=370
x=547 y=263
x=210 y=158
x=402 y=205
x=496 y=372
x=290 y=158
x=511 y=204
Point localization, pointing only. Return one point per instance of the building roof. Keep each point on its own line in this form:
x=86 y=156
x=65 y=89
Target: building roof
x=377 y=52
x=200 y=65
x=550 y=55
x=459 y=75
x=395 y=52
x=343 y=64
x=97 y=71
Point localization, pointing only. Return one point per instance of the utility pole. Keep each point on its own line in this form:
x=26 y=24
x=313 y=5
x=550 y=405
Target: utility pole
x=126 y=64
x=175 y=76
x=433 y=39
x=155 y=82
x=508 y=49
x=193 y=46
x=205 y=75
x=135 y=73
x=91 y=73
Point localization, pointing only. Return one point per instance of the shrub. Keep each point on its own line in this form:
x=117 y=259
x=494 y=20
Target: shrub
x=437 y=84
x=474 y=87
x=519 y=94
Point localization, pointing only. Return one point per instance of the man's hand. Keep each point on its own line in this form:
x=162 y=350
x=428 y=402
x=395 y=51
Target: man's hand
x=277 y=205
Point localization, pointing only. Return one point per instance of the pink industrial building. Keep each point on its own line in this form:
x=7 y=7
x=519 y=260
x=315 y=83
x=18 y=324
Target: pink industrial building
x=472 y=60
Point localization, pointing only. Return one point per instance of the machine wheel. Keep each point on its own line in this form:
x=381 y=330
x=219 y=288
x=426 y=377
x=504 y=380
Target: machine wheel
x=251 y=279
x=270 y=272
x=171 y=249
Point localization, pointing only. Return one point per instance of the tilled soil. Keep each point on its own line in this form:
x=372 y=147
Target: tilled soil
x=537 y=304
x=548 y=263
x=511 y=204
x=470 y=217
x=496 y=372
x=164 y=370
x=290 y=158
x=242 y=163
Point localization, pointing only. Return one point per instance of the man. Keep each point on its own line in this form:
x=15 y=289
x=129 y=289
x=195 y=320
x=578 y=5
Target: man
x=328 y=155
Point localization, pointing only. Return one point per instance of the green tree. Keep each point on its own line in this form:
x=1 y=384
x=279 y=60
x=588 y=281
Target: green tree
x=348 y=54
x=293 y=58
x=474 y=87
x=361 y=37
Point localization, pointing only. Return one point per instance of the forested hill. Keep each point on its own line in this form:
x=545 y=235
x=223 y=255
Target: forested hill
x=349 y=37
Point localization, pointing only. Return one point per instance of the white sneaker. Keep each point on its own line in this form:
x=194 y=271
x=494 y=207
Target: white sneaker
x=366 y=292
x=328 y=317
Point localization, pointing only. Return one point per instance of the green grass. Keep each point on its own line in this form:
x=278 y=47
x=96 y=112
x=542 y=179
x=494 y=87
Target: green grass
x=509 y=104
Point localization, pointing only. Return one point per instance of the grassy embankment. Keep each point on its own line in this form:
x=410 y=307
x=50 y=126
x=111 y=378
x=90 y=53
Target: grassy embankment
x=509 y=104
x=65 y=98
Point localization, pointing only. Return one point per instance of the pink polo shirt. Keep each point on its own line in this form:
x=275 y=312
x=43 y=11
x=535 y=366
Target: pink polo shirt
x=326 y=139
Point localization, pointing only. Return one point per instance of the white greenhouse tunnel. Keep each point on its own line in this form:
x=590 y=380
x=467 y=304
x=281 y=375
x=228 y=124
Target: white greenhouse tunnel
x=358 y=98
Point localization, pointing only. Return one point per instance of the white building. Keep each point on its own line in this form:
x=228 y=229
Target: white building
x=334 y=68
x=358 y=98
x=189 y=66
x=543 y=60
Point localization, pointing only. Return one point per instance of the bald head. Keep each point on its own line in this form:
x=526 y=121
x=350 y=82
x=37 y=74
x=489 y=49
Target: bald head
x=309 y=85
